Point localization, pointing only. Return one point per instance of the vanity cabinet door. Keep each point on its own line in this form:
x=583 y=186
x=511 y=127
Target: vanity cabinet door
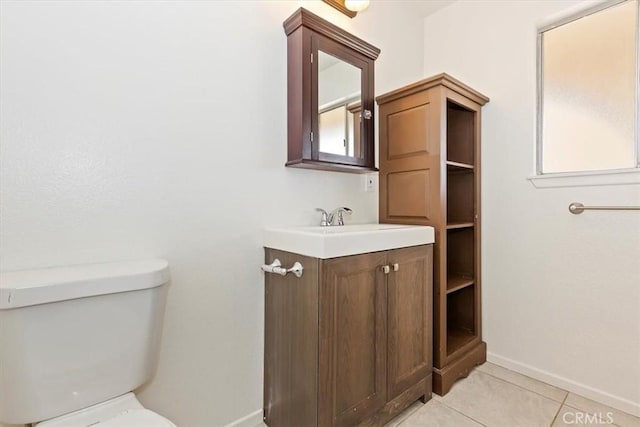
x=353 y=342
x=409 y=292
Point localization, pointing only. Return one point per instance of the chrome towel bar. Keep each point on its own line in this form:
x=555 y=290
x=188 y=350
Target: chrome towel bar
x=577 y=208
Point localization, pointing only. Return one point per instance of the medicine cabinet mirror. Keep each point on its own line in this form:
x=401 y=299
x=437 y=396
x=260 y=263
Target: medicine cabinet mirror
x=330 y=96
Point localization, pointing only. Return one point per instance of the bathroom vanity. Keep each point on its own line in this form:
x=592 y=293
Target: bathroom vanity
x=350 y=341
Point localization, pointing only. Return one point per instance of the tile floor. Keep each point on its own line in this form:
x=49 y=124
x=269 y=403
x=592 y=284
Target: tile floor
x=496 y=397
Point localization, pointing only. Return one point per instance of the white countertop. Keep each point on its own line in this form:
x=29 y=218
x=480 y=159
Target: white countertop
x=337 y=241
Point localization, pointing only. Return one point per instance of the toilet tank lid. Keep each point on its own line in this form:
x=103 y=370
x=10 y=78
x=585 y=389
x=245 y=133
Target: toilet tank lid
x=40 y=286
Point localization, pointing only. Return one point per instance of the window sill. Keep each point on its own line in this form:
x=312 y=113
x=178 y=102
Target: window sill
x=584 y=179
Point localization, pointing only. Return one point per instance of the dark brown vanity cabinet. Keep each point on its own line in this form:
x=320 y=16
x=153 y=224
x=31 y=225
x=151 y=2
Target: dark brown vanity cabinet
x=430 y=175
x=348 y=343
x=329 y=95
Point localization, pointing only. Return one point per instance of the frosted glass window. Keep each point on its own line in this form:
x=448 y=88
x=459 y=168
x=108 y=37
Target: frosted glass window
x=588 y=107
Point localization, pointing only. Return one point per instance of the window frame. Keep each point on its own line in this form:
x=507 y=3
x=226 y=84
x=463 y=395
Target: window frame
x=585 y=177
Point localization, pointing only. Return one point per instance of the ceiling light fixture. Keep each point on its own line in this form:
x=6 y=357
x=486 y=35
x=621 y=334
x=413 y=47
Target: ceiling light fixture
x=348 y=7
x=356 y=5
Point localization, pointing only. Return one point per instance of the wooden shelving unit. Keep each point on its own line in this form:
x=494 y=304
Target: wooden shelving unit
x=461 y=238
x=430 y=175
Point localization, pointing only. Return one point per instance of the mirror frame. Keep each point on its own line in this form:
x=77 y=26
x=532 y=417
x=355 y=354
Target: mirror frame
x=306 y=34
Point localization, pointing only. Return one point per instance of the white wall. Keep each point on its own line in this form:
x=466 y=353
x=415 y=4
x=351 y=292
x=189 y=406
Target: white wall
x=147 y=128
x=561 y=292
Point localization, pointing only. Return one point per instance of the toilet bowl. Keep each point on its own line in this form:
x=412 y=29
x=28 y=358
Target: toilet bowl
x=122 y=411
x=76 y=341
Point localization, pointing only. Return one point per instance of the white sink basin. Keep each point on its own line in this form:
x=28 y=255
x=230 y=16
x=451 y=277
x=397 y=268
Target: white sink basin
x=337 y=241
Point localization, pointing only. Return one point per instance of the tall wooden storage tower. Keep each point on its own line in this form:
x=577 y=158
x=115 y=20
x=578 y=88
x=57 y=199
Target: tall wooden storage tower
x=430 y=175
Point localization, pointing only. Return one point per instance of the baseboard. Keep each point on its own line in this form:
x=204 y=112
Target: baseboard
x=566 y=384
x=252 y=420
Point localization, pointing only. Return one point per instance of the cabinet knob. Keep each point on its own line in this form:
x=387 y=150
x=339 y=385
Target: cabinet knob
x=386 y=269
x=396 y=267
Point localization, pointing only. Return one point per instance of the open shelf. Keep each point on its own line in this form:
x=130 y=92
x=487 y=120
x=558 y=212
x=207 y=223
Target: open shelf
x=455 y=282
x=458 y=338
x=461 y=217
x=461 y=328
x=455 y=225
x=460 y=134
x=460 y=252
x=460 y=196
x=456 y=166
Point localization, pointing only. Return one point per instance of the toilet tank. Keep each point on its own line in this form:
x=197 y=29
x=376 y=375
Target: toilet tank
x=75 y=336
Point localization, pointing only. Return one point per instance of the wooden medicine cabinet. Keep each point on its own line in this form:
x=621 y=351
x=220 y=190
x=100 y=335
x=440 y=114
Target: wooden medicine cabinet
x=330 y=96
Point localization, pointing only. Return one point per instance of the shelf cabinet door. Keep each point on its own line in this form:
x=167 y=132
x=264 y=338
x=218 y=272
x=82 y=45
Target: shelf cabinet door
x=409 y=159
x=410 y=318
x=352 y=348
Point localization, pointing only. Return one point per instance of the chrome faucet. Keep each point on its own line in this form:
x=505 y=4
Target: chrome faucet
x=337 y=213
x=326 y=219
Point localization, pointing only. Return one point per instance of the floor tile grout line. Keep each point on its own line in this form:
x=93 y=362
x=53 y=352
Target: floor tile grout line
x=559 y=410
x=524 y=388
x=516 y=385
x=532 y=379
x=601 y=404
x=565 y=405
x=558 y=388
x=562 y=404
x=443 y=404
x=584 y=411
x=463 y=414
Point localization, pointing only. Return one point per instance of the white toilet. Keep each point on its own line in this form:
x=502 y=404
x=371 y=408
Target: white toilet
x=75 y=341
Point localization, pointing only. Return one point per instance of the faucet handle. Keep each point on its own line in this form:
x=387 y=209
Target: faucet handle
x=324 y=218
x=340 y=211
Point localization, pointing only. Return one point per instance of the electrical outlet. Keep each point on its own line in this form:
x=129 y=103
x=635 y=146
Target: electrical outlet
x=370 y=182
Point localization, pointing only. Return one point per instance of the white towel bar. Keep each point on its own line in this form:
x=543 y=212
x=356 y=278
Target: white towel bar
x=277 y=268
